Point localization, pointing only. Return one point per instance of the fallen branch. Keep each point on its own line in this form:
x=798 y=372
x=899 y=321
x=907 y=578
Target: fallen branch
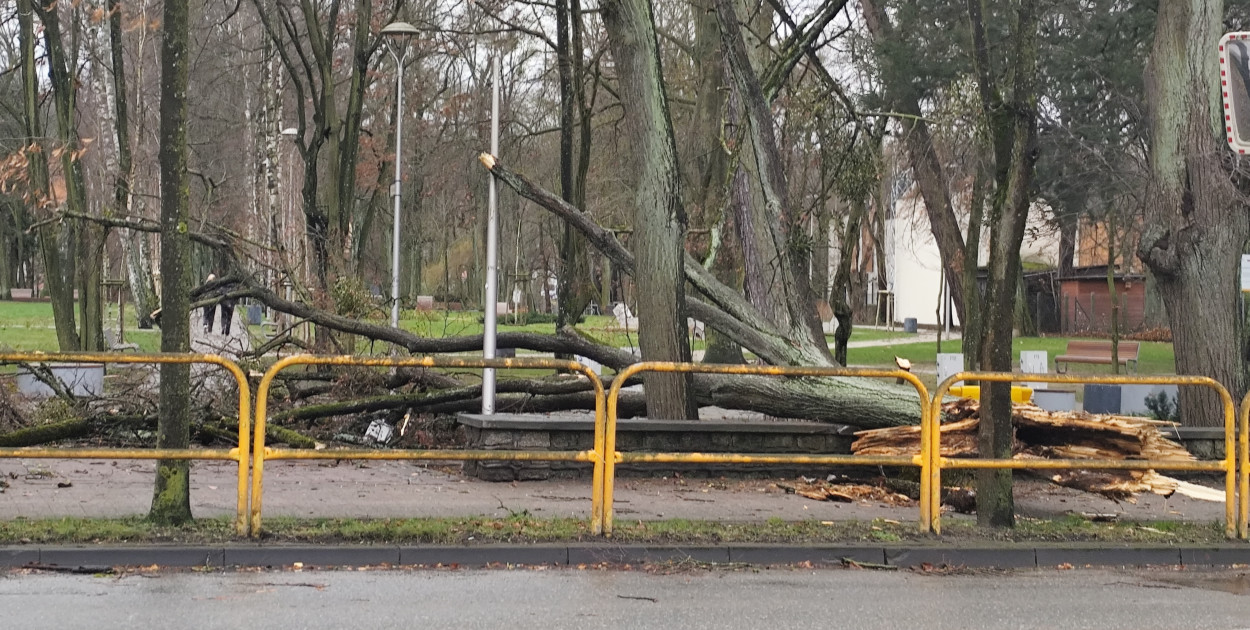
x=44 y=434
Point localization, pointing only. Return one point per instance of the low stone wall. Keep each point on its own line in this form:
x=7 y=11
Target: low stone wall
x=1202 y=442
x=576 y=433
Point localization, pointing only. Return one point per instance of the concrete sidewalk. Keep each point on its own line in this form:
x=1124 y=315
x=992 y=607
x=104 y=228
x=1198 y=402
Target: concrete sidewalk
x=117 y=488
x=396 y=489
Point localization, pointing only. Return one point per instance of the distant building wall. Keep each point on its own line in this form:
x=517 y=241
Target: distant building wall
x=916 y=275
x=1085 y=304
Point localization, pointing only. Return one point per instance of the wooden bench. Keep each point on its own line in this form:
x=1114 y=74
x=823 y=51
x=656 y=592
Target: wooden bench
x=21 y=295
x=1098 y=353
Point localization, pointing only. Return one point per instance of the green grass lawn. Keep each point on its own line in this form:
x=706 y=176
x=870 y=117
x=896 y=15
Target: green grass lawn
x=27 y=326
x=1154 y=357
x=859 y=333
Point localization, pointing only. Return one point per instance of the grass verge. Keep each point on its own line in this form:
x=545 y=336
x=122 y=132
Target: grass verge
x=524 y=529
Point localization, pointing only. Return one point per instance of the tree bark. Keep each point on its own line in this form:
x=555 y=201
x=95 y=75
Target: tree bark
x=171 y=499
x=971 y=323
x=774 y=220
x=1013 y=130
x=134 y=244
x=711 y=171
x=81 y=252
x=55 y=238
x=659 y=218
x=575 y=288
x=1195 y=224
x=842 y=279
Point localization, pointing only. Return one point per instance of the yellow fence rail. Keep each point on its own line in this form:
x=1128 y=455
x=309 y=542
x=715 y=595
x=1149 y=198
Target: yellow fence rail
x=1243 y=494
x=920 y=460
x=239 y=454
x=593 y=456
x=1228 y=465
x=1235 y=465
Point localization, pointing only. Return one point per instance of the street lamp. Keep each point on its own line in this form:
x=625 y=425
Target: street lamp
x=397 y=35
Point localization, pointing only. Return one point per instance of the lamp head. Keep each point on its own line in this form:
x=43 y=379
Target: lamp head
x=398 y=34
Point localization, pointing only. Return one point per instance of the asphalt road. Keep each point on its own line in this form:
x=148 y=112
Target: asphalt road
x=677 y=598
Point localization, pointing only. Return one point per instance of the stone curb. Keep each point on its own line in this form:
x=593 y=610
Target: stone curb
x=277 y=556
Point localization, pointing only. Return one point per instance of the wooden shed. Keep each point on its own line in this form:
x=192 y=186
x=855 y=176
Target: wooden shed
x=1085 y=301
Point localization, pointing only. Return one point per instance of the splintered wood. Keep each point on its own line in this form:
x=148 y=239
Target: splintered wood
x=1041 y=434
x=845 y=492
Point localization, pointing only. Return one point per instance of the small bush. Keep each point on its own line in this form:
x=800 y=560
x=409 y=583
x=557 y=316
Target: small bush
x=1163 y=407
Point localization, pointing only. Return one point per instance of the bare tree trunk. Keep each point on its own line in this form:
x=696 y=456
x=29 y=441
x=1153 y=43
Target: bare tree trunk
x=820 y=246
x=91 y=286
x=774 y=219
x=171 y=498
x=970 y=321
x=1012 y=122
x=575 y=289
x=659 y=218
x=1068 y=221
x=83 y=241
x=55 y=239
x=134 y=244
x=711 y=170
x=842 y=279
x=1195 y=224
x=1111 y=291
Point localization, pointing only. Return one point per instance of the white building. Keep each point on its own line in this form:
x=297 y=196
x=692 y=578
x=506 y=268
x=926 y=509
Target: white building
x=914 y=267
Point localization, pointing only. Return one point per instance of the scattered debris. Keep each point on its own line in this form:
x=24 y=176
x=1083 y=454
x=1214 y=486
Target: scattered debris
x=1041 y=434
x=379 y=432
x=856 y=564
x=1195 y=491
x=845 y=493
x=1099 y=518
x=84 y=569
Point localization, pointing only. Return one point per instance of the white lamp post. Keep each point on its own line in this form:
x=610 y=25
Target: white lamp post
x=397 y=35
x=490 y=304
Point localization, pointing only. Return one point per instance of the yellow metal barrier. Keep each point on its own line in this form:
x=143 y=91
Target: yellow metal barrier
x=239 y=454
x=1243 y=494
x=261 y=453
x=1228 y=465
x=920 y=460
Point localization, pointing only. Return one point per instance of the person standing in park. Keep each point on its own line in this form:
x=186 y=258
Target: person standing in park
x=227 y=304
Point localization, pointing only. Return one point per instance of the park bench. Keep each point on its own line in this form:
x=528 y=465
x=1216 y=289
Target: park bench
x=1098 y=353
x=21 y=295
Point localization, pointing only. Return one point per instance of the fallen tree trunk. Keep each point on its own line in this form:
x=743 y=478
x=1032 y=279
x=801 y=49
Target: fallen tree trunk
x=44 y=434
x=1040 y=434
x=860 y=402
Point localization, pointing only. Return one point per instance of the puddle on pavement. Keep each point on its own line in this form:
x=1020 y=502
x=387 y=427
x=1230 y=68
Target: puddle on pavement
x=1235 y=584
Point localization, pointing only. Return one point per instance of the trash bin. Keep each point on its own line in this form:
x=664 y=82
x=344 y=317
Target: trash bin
x=1101 y=398
x=909 y=325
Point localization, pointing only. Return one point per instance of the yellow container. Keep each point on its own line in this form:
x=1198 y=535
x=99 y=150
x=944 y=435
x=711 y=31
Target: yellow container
x=1018 y=394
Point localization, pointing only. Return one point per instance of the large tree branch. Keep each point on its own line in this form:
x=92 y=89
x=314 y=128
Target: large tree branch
x=801 y=325
x=729 y=312
x=798 y=44
x=566 y=340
